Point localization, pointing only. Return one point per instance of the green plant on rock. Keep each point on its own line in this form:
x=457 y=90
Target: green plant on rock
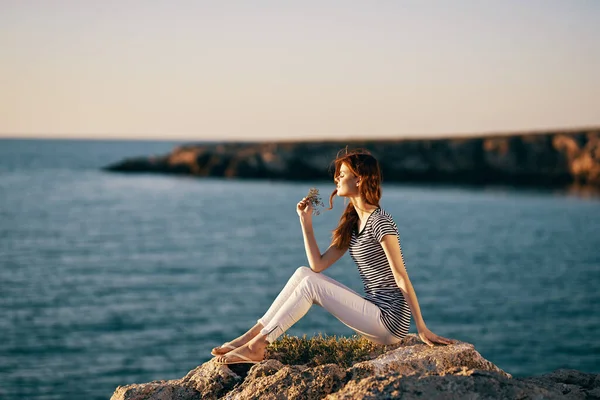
x=320 y=350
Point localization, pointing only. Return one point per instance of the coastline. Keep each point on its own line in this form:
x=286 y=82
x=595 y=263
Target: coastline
x=562 y=159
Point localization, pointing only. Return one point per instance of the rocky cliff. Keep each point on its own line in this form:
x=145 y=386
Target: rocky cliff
x=408 y=370
x=554 y=159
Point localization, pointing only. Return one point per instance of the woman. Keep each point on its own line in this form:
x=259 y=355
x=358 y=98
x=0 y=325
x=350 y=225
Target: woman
x=371 y=236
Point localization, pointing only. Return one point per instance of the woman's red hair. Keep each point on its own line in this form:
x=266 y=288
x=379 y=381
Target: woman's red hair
x=362 y=164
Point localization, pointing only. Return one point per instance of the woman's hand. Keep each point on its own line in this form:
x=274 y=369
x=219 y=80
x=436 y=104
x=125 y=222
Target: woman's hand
x=304 y=209
x=430 y=338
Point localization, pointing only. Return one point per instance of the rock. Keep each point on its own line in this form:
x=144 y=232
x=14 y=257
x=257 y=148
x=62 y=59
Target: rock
x=469 y=384
x=557 y=159
x=292 y=382
x=207 y=381
x=569 y=382
x=420 y=359
x=408 y=370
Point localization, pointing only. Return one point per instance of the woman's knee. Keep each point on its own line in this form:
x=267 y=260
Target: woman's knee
x=303 y=271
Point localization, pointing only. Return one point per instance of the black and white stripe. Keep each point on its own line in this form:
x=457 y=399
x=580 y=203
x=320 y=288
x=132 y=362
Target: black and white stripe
x=375 y=271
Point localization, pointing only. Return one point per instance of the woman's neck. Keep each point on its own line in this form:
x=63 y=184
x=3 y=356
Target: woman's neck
x=363 y=209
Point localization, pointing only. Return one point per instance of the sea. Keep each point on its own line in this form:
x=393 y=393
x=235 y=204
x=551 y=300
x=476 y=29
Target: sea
x=108 y=279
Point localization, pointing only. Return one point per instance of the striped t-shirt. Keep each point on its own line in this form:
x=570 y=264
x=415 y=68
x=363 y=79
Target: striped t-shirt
x=376 y=273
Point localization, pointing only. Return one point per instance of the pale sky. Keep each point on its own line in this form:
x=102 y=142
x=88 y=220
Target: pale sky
x=251 y=70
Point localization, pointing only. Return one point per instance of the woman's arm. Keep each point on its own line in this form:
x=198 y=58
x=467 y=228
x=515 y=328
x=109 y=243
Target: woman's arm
x=392 y=250
x=317 y=262
x=391 y=247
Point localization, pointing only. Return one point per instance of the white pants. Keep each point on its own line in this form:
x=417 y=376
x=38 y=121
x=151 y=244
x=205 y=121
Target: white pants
x=306 y=288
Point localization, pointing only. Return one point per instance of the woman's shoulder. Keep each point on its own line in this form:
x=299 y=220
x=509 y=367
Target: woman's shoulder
x=382 y=216
x=382 y=224
x=381 y=213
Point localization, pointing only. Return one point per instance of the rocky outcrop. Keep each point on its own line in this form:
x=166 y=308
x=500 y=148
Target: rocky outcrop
x=408 y=370
x=546 y=159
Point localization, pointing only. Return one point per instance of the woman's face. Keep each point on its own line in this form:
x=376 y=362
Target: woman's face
x=346 y=182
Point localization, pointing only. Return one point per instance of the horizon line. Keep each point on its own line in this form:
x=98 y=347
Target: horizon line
x=323 y=138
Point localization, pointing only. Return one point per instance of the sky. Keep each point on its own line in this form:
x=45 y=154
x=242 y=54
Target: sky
x=264 y=70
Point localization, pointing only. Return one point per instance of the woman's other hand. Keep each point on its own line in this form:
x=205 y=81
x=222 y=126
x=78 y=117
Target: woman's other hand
x=430 y=338
x=304 y=209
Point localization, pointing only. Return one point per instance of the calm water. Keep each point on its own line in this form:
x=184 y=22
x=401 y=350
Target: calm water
x=109 y=279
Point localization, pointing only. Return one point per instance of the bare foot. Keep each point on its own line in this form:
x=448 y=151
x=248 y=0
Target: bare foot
x=237 y=342
x=253 y=350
